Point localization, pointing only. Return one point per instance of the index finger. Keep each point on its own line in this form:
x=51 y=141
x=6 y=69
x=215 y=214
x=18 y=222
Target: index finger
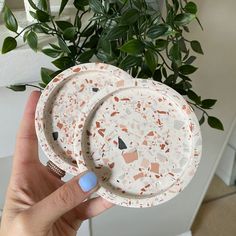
x=26 y=142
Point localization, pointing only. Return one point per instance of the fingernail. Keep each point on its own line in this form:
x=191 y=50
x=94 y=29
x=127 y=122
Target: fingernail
x=88 y=181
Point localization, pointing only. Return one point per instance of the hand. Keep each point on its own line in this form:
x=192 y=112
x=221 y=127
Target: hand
x=37 y=202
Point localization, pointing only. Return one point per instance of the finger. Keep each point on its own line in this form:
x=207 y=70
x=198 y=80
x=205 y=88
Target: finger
x=26 y=142
x=65 y=198
x=86 y=210
x=92 y=207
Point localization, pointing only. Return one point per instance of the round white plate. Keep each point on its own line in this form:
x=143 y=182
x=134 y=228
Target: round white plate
x=142 y=139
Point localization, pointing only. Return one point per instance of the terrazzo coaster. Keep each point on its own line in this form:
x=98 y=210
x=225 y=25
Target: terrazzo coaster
x=60 y=104
x=142 y=140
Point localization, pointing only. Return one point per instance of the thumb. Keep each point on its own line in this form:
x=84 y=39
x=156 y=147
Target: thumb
x=65 y=198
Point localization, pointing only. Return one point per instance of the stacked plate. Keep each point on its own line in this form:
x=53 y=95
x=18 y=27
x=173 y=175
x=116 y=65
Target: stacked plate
x=140 y=137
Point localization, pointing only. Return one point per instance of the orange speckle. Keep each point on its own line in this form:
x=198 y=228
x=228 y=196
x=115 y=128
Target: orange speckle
x=114 y=113
x=130 y=157
x=161 y=112
x=59 y=125
x=155 y=167
x=138 y=176
x=151 y=133
x=97 y=124
x=78 y=69
x=81 y=87
x=162 y=146
x=145 y=142
x=125 y=130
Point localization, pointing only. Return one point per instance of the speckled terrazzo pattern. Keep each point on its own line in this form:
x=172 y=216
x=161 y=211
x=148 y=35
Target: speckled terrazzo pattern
x=142 y=139
x=60 y=105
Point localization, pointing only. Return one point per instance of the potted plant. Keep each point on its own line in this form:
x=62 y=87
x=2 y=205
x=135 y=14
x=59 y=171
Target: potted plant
x=129 y=34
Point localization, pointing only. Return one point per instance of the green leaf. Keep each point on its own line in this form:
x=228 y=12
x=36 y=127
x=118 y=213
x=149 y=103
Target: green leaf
x=42 y=16
x=117 y=32
x=164 y=72
x=190 y=60
x=215 y=123
x=182 y=45
x=187 y=69
x=86 y=56
x=54 y=46
x=130 y=61
x=151 y=60
x=63 y=25
x=42 y=85
x=202 y=120
x=196 y=46
x=208 y=103
x=63 y=46
x=175 y=54
x=80 y=4
x=161 y=44
x=52 y=52
x=63 y=63
x=133 y=46
x=63 y=4
x=17 y=88
x=70 y=33
x=193 y=96
x=129 y=17
x=88 y=32
x=157 y=75
x=9 y=19
x=33 y=14
x=45 y=75
x=96 y=6
x=43 y=5
x=156 y=31
x=190 y=7
x=32 y=4
x=32 y=40
x=9 y=44
x=184 y=19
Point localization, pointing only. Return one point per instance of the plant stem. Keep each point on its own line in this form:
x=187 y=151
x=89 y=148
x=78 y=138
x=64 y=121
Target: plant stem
x=34 y=86
x=164 y=61
x=18 y=34
x=198 y=107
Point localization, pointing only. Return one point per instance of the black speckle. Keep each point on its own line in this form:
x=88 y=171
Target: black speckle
x=95 y=89
x=121 y=143
x=55 y=135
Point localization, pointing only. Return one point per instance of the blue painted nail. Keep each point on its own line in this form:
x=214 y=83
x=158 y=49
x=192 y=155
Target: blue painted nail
x=88 y=181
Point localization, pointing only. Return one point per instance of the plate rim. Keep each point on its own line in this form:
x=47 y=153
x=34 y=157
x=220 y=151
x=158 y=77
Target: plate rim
x=154 y=200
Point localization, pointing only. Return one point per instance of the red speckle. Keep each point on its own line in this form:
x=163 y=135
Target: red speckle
x=162 y=146
x=116 y=99
x=101 y=132
x=161 y=112
x=97 y=124
x=125 y=99
x=59 y=125
x=115 y=142
x=56 y=79
x=78 y=69
x=114 y=113
x=111 y=165
x=151 y=133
